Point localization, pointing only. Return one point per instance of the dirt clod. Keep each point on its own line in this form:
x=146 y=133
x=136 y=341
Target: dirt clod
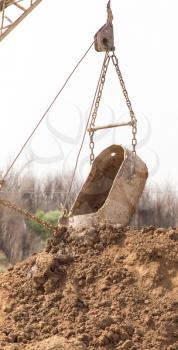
x=105 y=288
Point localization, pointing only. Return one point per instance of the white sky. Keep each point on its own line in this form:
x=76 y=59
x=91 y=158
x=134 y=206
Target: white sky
x=37 y=57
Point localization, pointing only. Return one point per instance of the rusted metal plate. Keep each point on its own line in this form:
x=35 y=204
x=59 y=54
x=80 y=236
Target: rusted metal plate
x=104 y=38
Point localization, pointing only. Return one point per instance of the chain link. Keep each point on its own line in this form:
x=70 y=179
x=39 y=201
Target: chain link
x=97 y=104
x=128 y=102
x=28 y=215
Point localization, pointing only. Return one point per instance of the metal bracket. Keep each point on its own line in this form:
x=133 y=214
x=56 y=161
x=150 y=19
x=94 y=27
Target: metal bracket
x=104 y=38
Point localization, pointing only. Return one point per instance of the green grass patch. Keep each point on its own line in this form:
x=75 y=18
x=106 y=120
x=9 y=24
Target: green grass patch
x=51 y=217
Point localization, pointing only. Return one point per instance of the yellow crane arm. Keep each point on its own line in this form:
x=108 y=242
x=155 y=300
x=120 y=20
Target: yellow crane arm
x=12 y=12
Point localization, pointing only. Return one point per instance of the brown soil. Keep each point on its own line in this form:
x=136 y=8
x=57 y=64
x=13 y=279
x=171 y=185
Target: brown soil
x=101 y=288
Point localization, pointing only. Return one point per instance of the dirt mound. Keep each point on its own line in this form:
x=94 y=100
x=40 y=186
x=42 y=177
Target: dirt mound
x=107 y=287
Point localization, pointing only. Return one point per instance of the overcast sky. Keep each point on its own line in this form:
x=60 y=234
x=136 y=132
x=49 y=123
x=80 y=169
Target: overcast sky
x=37 y=57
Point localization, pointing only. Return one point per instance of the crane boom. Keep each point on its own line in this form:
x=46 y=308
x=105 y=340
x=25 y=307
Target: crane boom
x=12 y=12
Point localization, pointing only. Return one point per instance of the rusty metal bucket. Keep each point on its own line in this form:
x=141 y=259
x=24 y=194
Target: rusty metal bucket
x=111 y=191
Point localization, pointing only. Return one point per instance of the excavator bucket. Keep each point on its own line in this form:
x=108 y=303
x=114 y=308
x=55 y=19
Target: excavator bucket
x=112 y=189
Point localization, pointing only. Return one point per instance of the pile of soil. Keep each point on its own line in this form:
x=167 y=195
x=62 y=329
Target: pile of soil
x=107 y=287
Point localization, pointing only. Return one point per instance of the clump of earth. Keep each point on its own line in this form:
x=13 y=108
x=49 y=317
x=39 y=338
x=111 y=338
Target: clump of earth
x=107 y=287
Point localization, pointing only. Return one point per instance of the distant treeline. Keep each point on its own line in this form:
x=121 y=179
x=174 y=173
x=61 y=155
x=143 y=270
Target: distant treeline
x=157 y=207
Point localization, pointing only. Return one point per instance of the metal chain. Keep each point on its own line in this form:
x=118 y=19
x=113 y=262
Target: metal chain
x=65 y=212
x=97 y=104
x=128 y=102
x=28 y=215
